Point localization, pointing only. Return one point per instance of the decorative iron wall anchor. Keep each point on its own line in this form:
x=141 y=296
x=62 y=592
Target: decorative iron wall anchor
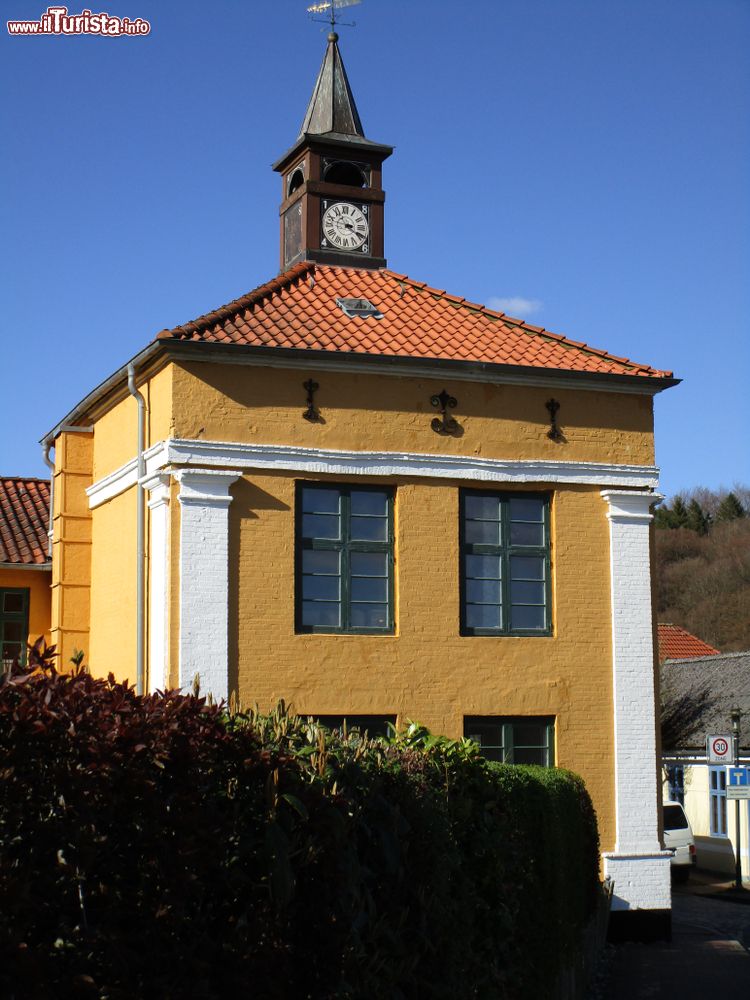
x=311 y=413
x=554 y=432
x=444 y=424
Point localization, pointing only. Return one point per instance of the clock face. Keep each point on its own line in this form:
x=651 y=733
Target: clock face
x=345 y=226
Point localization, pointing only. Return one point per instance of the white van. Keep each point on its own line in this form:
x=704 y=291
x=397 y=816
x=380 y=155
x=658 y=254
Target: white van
x=678 y=838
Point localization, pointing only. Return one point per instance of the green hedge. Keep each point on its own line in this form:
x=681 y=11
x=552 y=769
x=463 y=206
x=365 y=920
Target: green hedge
x=154 y=847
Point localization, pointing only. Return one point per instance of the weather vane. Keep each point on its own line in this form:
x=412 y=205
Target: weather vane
x=329 y=7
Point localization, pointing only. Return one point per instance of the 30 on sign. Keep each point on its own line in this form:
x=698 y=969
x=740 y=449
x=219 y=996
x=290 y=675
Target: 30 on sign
x=719 y=748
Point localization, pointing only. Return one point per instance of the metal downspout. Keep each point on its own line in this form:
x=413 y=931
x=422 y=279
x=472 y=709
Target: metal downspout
x=140 y=534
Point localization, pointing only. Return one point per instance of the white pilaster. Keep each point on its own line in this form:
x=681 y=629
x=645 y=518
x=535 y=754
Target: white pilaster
x=158 y=581
x=638 y=866
x=204 y=578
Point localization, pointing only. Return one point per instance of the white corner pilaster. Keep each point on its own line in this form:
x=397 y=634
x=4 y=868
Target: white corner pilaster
x=158 y=581
x=638 y=866
x=204 y=578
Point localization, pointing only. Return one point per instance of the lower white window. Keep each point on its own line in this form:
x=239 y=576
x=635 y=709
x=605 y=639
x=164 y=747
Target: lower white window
x=718 y=801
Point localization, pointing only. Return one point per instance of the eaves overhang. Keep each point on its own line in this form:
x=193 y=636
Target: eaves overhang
x=333 y=140
x=159 y=352
x=406 y=365
x=25 y=566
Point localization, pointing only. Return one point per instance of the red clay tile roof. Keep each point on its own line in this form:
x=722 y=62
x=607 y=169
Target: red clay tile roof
x=24 y=520
x=677 y=644
x=298 y=310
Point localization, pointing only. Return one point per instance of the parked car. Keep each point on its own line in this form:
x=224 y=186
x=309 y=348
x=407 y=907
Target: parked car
x=678 y=838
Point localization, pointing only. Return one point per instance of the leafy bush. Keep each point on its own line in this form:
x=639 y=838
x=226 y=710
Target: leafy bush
x=156 y=847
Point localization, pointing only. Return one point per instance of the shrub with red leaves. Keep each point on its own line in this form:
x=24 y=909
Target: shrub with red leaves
x=138 y=843
x=155 y=847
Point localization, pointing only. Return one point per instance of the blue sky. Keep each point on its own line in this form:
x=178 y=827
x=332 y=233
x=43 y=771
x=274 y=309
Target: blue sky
x=596 y=155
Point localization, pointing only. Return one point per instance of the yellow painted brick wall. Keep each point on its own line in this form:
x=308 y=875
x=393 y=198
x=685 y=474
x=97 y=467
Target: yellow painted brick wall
x=113 y=564
x=113 y=588
x=116 y=437
x=386 y=413
x=427 y=672
x=71 y=550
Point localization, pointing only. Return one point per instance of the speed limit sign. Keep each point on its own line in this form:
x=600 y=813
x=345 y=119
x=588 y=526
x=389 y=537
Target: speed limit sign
x=719 y=749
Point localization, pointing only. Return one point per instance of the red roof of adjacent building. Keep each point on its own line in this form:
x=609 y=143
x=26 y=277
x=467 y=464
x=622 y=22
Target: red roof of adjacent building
x=676 y=643
x=298 y=310
x=24 y=520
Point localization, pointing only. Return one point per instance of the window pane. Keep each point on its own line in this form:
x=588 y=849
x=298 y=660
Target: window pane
x=369 y=529
x=723 y=780
x=523 y=592
x=13 y=604
x=11 y=651
x=484 y=732
x=483 y=616
x=321 y=613
x=320 y=526
x=483 y=592
x=482 y=532
x=320 y=501
x=13 y=631
x=523 y=509
x=529 y=734
x=367 y=589
x=370 y=615
x=529 y=755
x=369 y=502
x=526 y=534
x=526 y=568
x=369 y=564
x=483 y=508
x=483 y=567
x=526 y=617
x=320 y=561
x=320 y=588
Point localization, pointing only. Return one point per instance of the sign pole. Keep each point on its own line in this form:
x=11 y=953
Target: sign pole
x=736 y=740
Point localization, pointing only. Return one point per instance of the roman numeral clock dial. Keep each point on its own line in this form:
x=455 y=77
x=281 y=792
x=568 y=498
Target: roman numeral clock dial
x=345 y=226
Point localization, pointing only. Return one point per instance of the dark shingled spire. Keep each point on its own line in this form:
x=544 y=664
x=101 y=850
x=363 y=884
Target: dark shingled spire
x=332 y=109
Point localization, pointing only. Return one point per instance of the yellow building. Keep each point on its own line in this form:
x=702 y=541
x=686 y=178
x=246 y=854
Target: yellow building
x=25 y=566
x=375 y=499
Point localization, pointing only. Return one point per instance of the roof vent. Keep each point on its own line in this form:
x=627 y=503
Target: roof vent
x=359 y=307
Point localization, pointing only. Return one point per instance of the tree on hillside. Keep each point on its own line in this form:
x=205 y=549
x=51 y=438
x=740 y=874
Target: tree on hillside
x=730 y=508
x=696 y=519
x=679 y=513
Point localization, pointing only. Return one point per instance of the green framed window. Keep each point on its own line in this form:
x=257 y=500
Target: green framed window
x=14 y=624
x=344 y=559
x=373 y=725
x=523 y=739
x=505 y=563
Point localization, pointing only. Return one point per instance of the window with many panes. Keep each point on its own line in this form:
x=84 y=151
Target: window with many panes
x=505 y=568
x=513 y=740
x=344 y=559
x=14 y=624
x=717 y=790
x=676 y=783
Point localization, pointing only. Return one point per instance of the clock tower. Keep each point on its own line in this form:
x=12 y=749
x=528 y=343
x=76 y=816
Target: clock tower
x=332 y=195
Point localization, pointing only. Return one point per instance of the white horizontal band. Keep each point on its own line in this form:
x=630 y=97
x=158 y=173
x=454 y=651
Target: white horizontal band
x=246 y=457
